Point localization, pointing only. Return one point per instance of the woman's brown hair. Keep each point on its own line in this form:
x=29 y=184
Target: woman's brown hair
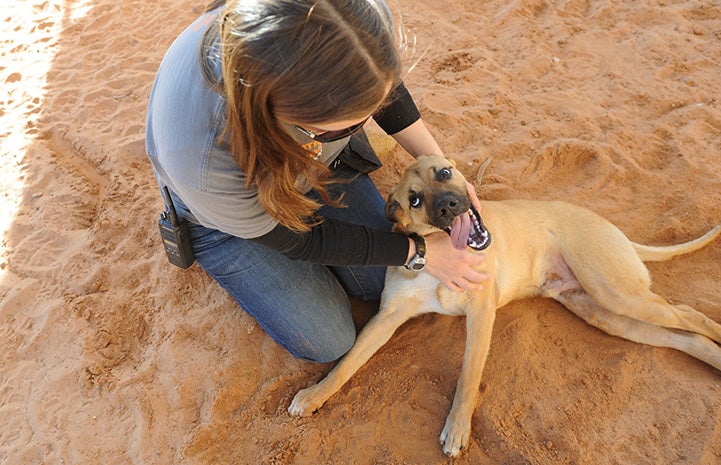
x=305 y=62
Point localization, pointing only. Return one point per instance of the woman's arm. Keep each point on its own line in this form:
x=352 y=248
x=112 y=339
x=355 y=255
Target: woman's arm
x=417 y=140
x=456 y=269
x=402 y=120
x=335 y=242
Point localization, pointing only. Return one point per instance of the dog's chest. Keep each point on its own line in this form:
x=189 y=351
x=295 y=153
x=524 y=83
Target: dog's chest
x=408 y=286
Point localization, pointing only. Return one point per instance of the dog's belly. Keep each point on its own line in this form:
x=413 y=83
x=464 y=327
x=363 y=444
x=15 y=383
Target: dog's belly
x=558 y=277
x=548 y=278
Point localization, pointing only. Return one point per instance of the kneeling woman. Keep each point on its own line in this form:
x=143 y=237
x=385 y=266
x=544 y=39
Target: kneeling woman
x=255 y=127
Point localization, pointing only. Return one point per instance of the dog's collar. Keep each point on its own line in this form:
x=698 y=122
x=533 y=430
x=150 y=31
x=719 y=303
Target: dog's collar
x=479 y=237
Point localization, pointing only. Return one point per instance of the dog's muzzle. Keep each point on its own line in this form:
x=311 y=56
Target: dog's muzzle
x=447 y=206
x=467 y=229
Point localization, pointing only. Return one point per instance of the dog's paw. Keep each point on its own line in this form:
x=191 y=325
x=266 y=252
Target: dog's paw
x=454 y=437
x=305 y=403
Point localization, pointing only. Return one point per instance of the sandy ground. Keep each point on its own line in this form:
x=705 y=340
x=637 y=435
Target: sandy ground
x=110 y=355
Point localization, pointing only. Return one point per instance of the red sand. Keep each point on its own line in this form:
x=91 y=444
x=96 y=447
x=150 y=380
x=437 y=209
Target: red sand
x=111 y=355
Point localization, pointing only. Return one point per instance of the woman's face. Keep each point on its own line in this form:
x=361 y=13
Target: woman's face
x=338 y=129
x=332 y=131
x=334 y=126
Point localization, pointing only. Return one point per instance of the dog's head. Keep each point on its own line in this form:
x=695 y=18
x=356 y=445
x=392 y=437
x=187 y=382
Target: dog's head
x=432 y=195
x=429 y=196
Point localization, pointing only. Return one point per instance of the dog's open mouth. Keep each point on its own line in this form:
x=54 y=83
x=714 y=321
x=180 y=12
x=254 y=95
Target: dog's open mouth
x=467 y=229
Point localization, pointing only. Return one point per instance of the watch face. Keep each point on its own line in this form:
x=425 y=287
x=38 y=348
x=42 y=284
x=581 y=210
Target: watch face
x=417 y=263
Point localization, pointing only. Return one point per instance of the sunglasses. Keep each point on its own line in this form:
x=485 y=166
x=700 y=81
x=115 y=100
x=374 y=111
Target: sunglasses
x=330 y=136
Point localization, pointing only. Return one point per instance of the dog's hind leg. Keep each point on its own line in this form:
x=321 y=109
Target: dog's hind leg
x=644 y=332
x=651 y=308
x=690 y=314
x=372 y=337
x=621 y=283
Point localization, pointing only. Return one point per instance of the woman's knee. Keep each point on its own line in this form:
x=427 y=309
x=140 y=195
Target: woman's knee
x=327 y=349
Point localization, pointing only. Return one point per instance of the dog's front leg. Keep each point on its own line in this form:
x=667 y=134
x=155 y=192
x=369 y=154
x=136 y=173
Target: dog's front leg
x=372 y=337
x=457 y=430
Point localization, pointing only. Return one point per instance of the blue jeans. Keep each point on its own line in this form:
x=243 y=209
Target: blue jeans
x=303 y=306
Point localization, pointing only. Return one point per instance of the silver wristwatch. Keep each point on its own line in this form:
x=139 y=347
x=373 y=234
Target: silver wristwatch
x=418 y=262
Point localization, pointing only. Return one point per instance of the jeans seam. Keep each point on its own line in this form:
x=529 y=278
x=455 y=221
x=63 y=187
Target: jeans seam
x=359 y=285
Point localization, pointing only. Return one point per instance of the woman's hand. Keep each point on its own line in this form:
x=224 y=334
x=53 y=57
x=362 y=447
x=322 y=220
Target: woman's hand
x=456 y=269
x=472 y=195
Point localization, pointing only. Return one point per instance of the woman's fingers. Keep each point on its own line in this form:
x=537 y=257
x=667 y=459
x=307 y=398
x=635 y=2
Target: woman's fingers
x=456 y=269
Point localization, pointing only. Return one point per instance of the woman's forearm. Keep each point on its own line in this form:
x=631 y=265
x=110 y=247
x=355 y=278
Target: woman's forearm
x=417 y=140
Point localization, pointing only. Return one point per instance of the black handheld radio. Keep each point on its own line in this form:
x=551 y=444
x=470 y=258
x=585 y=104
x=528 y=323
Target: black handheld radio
x=175 y=234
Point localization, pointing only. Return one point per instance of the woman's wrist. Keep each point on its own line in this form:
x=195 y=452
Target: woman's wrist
x=411 y=251
x=418 y=261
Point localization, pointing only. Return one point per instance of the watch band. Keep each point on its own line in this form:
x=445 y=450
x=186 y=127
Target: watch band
x=420 y=244
x=418 y=262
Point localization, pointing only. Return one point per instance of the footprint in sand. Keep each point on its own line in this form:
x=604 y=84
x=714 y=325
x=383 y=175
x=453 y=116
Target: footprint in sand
x=62 y=200
x=573 y=163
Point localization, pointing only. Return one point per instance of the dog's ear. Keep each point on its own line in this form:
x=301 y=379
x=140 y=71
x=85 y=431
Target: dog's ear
x=392 y=209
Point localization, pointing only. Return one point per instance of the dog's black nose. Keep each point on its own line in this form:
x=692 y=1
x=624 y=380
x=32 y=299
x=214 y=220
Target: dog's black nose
x=446 y=206
x=447 y=209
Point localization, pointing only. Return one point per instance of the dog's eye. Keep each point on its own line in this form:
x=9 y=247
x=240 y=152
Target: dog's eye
x=414 y=200
x=444 y=174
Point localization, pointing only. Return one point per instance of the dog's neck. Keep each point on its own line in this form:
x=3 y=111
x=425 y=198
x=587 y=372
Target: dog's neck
x=421 y=230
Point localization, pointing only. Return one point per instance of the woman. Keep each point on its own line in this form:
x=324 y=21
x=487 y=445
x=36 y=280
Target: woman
x=255 y=127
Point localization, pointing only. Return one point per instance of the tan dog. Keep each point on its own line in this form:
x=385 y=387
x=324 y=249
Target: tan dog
x=551 y=249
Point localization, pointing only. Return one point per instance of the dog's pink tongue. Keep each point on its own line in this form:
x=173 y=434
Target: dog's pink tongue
x=460 y=230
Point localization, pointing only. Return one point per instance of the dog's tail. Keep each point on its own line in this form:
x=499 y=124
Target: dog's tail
x=650 y=253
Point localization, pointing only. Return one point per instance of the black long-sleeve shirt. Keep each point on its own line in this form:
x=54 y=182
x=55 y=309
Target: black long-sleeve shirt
x=335 y=242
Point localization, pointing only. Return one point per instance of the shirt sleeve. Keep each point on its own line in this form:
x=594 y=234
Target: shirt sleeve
x=399 y=113
x=335 y=242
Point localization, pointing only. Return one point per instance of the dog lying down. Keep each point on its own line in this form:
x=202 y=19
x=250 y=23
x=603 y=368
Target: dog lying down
x=550 y=249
